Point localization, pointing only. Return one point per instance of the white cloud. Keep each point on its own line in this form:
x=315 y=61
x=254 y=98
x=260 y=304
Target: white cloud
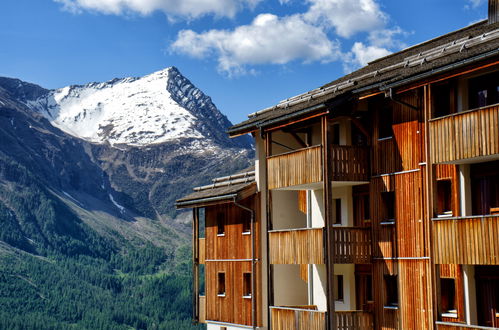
x=172 y=8
x=474 y=3
x=347 y=17
x=268 y=39
x=361 y=55
x=387 y=38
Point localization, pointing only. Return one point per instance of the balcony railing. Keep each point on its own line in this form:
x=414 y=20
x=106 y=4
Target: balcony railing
x=293 y=168
x=305 y=246
x=465 y=135
x=289 y=318
x=460 y=326
x=354 y=320
x=349 y=163
x=352 y=245
x=296 y=246
x=467 y=240
x=284 y=318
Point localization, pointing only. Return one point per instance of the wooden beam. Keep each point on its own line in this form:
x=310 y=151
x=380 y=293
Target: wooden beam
x=328 y=212
x=299 y=140
x=195 y=265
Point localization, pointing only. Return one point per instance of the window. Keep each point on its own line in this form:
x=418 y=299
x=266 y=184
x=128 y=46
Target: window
x=443 y=97
x=335 y=135
x=388 y=199
x=220 y=224
x=448 y=296
x=246 y=225
x=391 y=288
x=484 y=90
x=221 y=285
x=369 y=288
x=444 y=196
x=338 y=287
x=337 y=211
x=385 y=122
x=247 y=285
x=367 y=208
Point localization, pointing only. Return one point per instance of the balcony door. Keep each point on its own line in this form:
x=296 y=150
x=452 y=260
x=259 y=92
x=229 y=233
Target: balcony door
x=487 y=290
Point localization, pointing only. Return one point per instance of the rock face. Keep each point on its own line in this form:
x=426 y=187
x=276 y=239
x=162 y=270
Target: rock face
x=132 y=144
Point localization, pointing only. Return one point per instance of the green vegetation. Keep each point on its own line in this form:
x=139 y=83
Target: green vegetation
x=57 y=272
x=137 y=290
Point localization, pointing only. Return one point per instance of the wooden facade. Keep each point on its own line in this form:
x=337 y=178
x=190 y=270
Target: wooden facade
x=381 y=207
x=228 y=252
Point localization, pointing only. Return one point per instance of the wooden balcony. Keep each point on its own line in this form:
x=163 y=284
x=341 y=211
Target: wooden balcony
x=465 y=135
x=460 y=326
x=289 y=318
x=467 y=240
x=350 y=163
x=352 y=245
x=305 y=246
x=296 y=246
x=354 y=320
x=294 y=168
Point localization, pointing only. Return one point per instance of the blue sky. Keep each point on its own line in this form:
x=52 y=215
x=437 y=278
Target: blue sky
x=245 y=54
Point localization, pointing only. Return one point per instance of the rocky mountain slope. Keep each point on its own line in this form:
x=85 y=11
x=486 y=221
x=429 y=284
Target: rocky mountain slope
x=88 y=177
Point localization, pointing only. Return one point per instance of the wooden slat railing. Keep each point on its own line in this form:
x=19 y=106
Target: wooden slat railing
x=349 y=163
x=460 y=326
x=465 y=135
x=352 y=245
x=305 y=246
x=296 y=246
x=354 y=320
x=467 y=240
x=202 y=251
x=202 y=309
x=285 y=318
x=294 y=168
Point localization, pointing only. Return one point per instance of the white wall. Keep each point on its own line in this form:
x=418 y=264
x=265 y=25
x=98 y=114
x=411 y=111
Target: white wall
x=317 y=208
x=348 y=272
x=285 y=213
x=345 y=194
x=289 y=288
x=319 y=285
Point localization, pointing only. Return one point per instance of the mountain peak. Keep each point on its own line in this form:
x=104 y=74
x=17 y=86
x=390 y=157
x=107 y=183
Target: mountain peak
x=136 y=111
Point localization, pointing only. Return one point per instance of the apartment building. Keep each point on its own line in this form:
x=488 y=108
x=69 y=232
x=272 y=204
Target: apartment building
x=374 y=202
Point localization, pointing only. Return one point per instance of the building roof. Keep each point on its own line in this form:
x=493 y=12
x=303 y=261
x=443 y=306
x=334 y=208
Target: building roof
x=450 y=51
x=224 y=189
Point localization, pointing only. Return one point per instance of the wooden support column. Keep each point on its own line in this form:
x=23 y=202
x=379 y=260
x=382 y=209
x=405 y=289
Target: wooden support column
x=270 y=280
x=195 y=265
x=435 y=285
x=328 y=233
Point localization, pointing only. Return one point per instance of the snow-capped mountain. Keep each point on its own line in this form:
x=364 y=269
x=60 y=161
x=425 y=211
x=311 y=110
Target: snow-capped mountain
x=160 y=107
x=135 y=144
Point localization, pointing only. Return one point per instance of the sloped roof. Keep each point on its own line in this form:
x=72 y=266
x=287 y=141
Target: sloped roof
x=223 y=189
x=462 y=47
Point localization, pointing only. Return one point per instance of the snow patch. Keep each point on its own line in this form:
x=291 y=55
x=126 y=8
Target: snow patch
x=121 y=208
x=130 y=111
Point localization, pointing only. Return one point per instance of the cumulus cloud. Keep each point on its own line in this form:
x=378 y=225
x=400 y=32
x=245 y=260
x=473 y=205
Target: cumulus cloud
x=172 y=8
x=347 y=17
x=268 y=39
x=364 y=54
